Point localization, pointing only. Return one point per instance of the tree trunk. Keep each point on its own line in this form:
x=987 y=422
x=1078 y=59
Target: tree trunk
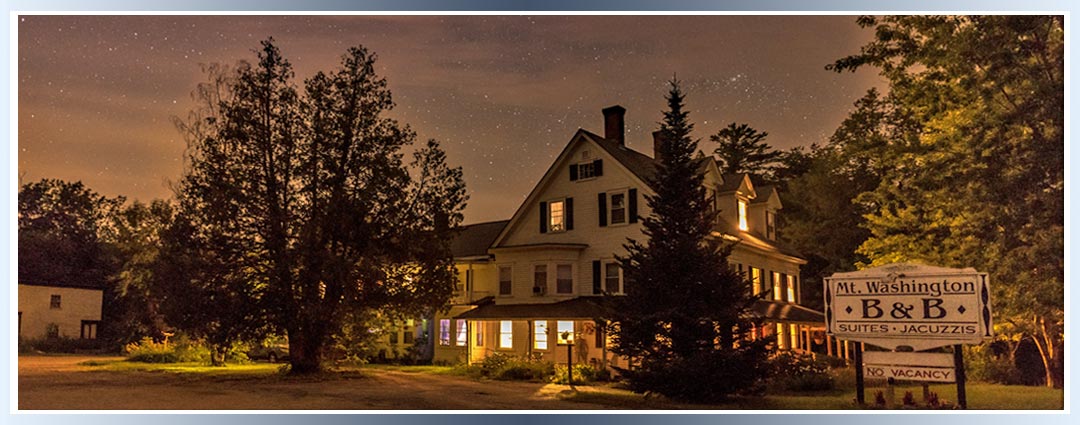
x=305 y=354
x=1048 y=350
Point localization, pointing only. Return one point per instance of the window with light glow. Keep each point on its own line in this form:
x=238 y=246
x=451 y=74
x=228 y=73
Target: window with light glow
x=755 y=276
x=506 y=334
x=778 y=295
x=556 y=216
x=462 y=333
x=742 y=216
x=540 y=335
x=562 y=327
x=444 y=332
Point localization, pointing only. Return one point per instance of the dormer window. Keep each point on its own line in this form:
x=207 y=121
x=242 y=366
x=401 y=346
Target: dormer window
x=742 y=216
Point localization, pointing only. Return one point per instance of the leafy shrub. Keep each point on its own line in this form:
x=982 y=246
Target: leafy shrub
x=708 y=376
x=983 y=365
x=180 y=350
x=583 y=374
x=510 y=368
x=493 y=363
x=791 y=371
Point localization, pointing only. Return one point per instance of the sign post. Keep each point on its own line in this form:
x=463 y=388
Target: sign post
x=908 y=308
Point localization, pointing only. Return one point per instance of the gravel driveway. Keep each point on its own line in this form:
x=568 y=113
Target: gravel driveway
x=47 y=382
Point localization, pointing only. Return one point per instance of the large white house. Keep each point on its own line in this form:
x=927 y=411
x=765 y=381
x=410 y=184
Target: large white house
x=526 y=281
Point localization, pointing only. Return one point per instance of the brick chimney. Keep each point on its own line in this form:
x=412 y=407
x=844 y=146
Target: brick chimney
x=657 y=141
x=614 y=124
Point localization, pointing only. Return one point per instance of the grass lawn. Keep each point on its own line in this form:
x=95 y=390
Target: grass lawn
x=980 y=396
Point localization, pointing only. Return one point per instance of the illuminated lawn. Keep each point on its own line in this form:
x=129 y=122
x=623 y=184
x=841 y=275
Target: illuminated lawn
x=980 y=396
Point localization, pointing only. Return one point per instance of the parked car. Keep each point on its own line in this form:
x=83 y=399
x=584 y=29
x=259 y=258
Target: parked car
x=271 y=353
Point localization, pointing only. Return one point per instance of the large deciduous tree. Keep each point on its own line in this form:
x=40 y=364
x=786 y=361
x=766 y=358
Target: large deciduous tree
x=982 y=184
x=686 y=314
x=305 y=201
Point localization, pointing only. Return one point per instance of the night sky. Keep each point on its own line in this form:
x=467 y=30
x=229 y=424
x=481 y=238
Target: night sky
x=503 y=94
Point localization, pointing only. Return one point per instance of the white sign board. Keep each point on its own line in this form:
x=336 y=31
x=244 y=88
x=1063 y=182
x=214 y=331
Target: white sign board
x=927 y=367
x=916 y=306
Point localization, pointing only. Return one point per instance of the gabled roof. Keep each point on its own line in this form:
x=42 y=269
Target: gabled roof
x=639 y=165
x=475 y=239
x=756 y=240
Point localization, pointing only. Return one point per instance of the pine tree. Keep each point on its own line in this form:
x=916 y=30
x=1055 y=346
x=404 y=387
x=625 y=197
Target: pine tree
x=685 y=317
x=742 y=149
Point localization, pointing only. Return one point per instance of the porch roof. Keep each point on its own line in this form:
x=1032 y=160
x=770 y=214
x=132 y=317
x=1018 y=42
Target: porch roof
x=778 y=311
x=574 y=308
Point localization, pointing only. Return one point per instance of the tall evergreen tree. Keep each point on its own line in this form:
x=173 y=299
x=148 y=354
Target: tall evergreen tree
x=685 y=317
x=742 y=149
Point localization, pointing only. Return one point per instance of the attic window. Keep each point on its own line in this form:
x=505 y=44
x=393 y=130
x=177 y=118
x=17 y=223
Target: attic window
x=742 y=216
x=558 y=223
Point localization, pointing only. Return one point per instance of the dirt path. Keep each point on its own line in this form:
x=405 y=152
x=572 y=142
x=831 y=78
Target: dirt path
x=60 y=383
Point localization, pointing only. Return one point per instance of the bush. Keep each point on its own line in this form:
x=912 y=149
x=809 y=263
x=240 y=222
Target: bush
x=62 y=345
x=706 y=377
x=583 y=374
x=983 y=365
x=180 y=350
x=509 y=368
x=791 y=371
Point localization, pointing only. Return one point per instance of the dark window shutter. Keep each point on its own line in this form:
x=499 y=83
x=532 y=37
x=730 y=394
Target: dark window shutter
x=596 y=277
x=543 y=217
x=598 y=167
x=633 y=205
x=602 y=200
x=573 y=172
x=569 y=213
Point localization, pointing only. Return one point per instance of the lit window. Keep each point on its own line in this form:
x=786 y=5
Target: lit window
x=776 y=282
x=794 y=331
x=755 y=276
x=791 y=288
x=505 y=280
x=618 y=208
x=479 y=333
x=540 y=280
x=462 y=333
x=557 y=220
x=612 y=281
x=506 y=334
x=54 y=301
x=780 y=336
x=444 y=332
x=564 y=279
x=540 y=336
x=742 y=216
x=563 y=330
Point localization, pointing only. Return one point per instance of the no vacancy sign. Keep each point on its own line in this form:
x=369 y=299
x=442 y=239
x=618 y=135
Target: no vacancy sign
x=909 y=305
